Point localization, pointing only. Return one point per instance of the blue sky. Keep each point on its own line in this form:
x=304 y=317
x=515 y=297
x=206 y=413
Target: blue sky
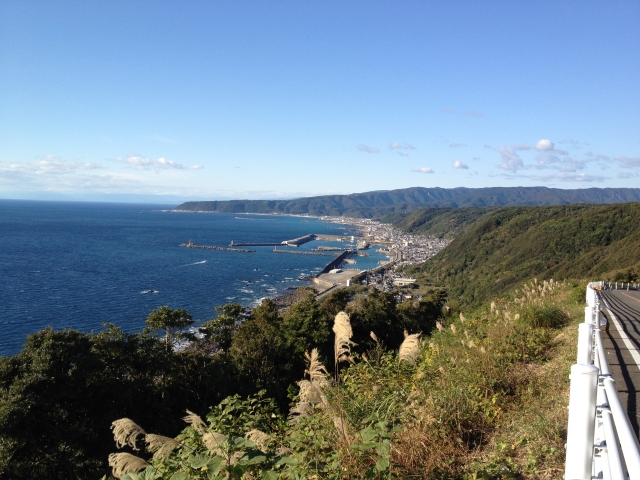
x=164 y=101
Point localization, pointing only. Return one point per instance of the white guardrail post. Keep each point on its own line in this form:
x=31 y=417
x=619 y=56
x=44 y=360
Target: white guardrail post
x=599 y=432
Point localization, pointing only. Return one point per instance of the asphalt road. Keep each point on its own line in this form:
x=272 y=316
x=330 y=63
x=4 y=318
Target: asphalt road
x=625 y=306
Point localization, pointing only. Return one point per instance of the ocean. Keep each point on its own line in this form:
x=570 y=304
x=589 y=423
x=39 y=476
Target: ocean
x=78 y=265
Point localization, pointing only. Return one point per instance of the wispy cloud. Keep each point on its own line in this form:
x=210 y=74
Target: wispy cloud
x=628 y=162
x=625 y=175
x=423 y=170
x=367 y=149
x=49 y=165
x=573 y=143
x=561 y=177
x=522 y=146
x=457 y=145
x=401 y=146
x=142 y=163
x=459 y=164
x=475 y=114
x=448 y=111
x=511 y=161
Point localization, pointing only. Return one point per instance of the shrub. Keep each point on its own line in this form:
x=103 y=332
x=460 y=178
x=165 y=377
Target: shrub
x=548 y=316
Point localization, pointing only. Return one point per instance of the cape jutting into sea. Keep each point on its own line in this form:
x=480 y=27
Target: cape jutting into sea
x=78 y=265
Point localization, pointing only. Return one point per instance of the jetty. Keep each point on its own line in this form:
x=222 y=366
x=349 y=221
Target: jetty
x=213 y=247
x=318 y=254
x=299 y=241
x=258 y=244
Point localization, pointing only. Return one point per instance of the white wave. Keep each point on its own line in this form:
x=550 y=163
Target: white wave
x=195 y=263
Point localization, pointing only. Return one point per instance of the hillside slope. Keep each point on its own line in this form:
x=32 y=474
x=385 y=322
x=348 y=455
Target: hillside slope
x=437 y=222
x=378 y=203
x=510 y=245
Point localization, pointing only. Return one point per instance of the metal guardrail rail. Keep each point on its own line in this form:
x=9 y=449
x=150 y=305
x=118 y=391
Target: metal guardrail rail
x=600 y=440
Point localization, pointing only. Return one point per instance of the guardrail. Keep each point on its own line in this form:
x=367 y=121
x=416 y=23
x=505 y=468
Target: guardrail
x=600 y=440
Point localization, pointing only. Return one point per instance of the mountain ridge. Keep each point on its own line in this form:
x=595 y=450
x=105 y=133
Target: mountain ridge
x=376 y=203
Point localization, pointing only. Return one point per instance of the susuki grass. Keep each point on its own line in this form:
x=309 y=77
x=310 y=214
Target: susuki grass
x=484 y=396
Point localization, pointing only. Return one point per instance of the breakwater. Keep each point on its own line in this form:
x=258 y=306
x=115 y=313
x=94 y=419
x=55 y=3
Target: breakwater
x=336 y=262
x=213 y=247
x=234 y=244
x=300 y=240
x=304 y=253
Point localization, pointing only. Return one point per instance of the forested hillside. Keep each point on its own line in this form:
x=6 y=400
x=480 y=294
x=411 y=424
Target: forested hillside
x=378 y=203
x=506 y=246
x=437 y=222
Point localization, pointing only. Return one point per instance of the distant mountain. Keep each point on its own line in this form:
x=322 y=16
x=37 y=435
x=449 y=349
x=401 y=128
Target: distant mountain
x=378 y=203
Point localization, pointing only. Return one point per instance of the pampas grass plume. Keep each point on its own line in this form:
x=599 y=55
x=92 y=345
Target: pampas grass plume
x=195 y=421
x=343 y=333
x=125 y=432
x=261 y=439
x=410 y=349
x=123 y=463
x=439 y=326
x=453 y=328
x=162 y=446
x=316 y=370
x=212 y=441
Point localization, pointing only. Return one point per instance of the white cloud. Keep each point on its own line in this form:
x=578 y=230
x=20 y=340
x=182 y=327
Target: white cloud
x=459 y=164
x=457 y=145
x=423 y=170
x=367 y=149
x=401 y=146
x=625 y=175
x=544 y=145
x=141 y=163
x=511 y=161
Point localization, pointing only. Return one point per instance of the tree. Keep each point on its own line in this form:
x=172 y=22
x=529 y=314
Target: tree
x=221 y=329
x=169 y=320
x=259 y=349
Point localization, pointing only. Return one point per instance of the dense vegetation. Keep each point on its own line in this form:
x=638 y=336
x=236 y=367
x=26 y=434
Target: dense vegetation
x=445 y=223
x=483 y=397
x=510 y=244
x=379 y=203
x=59 y=395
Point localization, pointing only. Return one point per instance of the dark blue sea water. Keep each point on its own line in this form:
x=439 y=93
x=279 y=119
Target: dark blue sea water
x=77 y=265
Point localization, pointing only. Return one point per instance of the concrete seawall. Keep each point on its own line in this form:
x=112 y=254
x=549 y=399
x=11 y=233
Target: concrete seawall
x=335 y=263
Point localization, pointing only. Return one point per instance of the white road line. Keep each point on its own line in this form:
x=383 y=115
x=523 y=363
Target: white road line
x=632 y=350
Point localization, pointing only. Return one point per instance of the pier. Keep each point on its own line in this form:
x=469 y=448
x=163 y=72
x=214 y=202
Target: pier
x=212 y=247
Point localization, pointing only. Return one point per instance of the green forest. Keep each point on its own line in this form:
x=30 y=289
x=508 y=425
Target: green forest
x=360 y=384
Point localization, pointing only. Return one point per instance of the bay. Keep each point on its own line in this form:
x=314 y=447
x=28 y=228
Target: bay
x=77 y=265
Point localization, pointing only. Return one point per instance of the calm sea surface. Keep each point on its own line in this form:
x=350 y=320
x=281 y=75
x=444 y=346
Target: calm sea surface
x=77 y=265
